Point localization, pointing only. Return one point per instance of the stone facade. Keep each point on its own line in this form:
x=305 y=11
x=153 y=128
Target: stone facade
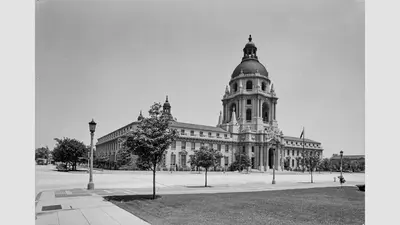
x=247 y=123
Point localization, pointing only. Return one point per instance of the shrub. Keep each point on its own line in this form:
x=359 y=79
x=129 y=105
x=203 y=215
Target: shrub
x=341 y=179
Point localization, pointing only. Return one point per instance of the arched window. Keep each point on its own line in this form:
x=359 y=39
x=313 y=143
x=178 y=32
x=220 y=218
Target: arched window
x=235 y=86
x=249 y=85
x=248 y=114
x=263 y=86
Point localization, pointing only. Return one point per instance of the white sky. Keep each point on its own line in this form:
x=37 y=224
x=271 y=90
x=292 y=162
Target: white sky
x=108 y=60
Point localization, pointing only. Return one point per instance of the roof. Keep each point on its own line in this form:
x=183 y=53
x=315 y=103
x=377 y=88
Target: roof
x=349 y=157
x=250 y=66
x=300 y=139
x=197 y=127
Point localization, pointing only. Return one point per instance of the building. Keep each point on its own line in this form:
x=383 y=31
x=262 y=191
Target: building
x=247 y=123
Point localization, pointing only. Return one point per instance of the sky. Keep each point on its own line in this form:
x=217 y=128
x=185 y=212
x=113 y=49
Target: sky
x=107 y=60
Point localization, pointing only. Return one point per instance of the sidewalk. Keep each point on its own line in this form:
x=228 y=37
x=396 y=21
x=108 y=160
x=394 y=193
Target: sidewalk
x=80 y=206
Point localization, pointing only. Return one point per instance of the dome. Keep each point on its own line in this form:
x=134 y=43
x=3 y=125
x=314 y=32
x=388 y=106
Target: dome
x=250 y=63
x=250 y=66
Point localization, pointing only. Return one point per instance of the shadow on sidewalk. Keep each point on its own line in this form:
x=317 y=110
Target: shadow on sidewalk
x=128 y=198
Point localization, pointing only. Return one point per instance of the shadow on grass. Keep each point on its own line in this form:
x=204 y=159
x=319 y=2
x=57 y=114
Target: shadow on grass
x=128 y=198
x=199 y=186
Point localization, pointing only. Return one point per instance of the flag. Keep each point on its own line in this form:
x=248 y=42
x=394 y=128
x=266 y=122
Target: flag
x=302 y=134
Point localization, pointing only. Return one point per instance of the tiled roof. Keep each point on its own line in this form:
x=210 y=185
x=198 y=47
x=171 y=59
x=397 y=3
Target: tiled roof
x=299 y=139
x=197 y=127
x=349 y=157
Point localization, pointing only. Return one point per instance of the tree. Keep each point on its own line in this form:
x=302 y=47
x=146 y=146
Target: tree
x=299 y=162
x=42 y=153
x=241 y=161
x=286 y=163
x=205 y=157
x=312 y=160
x=69 y=151
x=151 y=139
x=325 y=165
x=124 y=157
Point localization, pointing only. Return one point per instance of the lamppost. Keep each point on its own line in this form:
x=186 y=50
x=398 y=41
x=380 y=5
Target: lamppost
x=92 y=128
x=273 y=166
x=341 y=163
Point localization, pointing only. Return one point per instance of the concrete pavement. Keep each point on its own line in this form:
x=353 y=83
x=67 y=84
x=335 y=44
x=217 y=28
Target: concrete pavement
x=80 y=206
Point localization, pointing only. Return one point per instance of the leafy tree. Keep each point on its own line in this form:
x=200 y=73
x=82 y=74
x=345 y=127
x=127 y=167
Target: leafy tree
x=69 y=151
x=299 y=162
x=151 y=139
x=312 y=160
x=42 y=153
x=205 y=157
x=241 y=161
x=325 y=165
x=124 y=157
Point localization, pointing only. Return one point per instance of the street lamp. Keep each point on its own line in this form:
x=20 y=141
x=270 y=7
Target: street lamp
x=273 y=166
x=341 y=162
x=92 y=128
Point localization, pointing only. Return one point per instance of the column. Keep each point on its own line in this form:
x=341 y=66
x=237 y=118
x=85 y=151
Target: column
x=244 y=109
x=261 y=158
x=257 y=107
x=275 y=111
x=266 y=157
x=249 y=154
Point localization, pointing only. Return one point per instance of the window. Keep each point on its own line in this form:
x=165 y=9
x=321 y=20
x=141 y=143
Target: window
x=297 y=152
x=209 y=134
x=217 y=134
x=248 y=114
x=249 y=85
x=235 y=87
x=292 y=162
x=202 y=144
x=225 y=135
x=252 y=149
x=201 y=134
x=226 y=148
x=292 y=152
x=193 y=145
x=182 y=132
x=183 y=160
x=263 y=86
x=183 y=146
x=226 y=160
x=191 y=133
x=248 y=101
x=173 y=146
x=219 y=147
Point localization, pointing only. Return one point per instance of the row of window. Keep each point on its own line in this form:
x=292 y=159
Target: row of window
x=301 y=143
x=249 y=86
x=297 y=152
x=183 y=160
x=202 y=134
x=116 y=134
x=193 y=146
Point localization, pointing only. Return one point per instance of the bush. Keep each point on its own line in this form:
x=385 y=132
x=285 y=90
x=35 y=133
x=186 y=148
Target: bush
x=62 y=167
x=341 y=179
x=361 y=187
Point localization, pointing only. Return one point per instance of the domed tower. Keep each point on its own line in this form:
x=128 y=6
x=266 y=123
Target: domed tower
x=250 y=95
x=167 y=109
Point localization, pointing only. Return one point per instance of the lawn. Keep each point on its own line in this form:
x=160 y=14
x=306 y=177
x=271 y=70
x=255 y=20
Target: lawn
x=300 y=206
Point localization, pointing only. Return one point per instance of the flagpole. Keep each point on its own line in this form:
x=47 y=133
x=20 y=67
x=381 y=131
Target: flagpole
x=304 y=153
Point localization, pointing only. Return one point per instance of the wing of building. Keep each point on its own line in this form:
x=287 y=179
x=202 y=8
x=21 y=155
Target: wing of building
x=247 y=123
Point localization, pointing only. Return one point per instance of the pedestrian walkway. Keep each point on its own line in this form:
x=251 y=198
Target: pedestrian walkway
x=81 y=206
x=78 y=206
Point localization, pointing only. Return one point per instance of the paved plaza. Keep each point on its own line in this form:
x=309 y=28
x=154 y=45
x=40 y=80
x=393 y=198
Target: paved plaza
x=65 y=194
